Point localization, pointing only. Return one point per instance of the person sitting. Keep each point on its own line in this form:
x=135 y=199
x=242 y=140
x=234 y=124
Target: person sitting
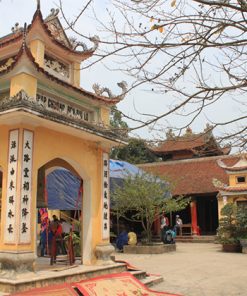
x=179 y=223
x=169 y=237
x=122 y=240
x=132 y=238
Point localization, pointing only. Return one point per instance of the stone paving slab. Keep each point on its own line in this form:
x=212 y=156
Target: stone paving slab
x=196 y=270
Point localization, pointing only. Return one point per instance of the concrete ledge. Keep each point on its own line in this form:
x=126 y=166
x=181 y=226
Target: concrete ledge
x=46 y=278
x=149 y=249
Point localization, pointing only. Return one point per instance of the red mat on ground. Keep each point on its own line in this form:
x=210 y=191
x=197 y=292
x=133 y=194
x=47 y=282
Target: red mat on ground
x=120 y=284
x=128 y=265
x=58 y=290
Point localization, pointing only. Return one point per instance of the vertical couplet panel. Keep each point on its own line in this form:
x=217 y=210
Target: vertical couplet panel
x=11 y=203
x=26 y=188
x=105 y=198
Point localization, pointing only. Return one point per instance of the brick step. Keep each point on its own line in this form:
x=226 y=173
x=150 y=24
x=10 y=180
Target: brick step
x=152 y=280
x=148 y=280
x=139 y=274
x=196 y=239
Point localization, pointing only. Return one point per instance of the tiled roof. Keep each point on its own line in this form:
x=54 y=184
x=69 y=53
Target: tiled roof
x=191 y=142
x=192 y=176
x=240 y=166
x=180 y=144
x=6 y=40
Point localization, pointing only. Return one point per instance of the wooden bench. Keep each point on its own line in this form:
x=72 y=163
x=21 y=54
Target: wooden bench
x=187 y=231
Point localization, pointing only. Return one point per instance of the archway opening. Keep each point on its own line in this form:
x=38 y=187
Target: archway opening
x=59 y=204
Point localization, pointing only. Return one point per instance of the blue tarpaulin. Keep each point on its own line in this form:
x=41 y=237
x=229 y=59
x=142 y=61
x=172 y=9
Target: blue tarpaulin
x=122 y=169
x=63 y=188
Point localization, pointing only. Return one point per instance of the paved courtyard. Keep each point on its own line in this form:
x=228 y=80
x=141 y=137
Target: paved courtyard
x=196 y=270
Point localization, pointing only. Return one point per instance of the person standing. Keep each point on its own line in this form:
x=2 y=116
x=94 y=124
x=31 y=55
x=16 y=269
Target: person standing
x=164 y=223
x=178 y=225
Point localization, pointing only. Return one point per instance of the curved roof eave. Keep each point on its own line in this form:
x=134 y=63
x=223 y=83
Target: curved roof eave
x=15 y=37
x=38 y=17
x=7 y=40
x=24 y=50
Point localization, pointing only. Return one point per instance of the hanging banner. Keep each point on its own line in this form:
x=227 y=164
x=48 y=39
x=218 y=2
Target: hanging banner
x=105 y=198
x=11 y=202
x=26 y=187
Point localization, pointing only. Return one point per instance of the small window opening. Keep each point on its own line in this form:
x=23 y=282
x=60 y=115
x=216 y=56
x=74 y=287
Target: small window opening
x=241 y=179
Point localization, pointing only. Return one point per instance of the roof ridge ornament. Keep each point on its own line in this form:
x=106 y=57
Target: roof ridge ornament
x=53 y=14
x=100 y=90
x=95 y=39
x=18 y=97
x=16 y=28
x=38 y=4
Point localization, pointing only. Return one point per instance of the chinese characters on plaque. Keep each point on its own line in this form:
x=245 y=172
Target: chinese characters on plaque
x=105 y=198
x=26 y=187
x=10 y=228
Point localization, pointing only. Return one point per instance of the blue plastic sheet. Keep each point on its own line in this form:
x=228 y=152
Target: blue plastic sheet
x=63 y=187
x=63 y=190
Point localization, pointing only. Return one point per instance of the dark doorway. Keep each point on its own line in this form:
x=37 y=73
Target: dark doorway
x=207 y=214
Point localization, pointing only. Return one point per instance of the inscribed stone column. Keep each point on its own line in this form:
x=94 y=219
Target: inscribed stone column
x=16 y=254
x=105 y=249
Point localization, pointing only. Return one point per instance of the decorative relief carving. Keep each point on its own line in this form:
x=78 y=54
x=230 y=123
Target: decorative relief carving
x=6 y=63
x=100 y=90
x=57 y=67
x=55 y=27
x=20 y=96
x=218 y=184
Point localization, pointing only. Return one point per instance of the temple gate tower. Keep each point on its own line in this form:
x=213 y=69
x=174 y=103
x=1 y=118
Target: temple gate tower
x=46 y=119
x=236 y=190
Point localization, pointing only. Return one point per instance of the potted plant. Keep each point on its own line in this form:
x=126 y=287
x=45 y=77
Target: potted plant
x=227 y=231
x=241 y=222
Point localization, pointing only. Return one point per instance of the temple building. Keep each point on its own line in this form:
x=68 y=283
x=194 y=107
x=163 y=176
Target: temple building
x=236 y=191
x=189 y=163
x=47 y=121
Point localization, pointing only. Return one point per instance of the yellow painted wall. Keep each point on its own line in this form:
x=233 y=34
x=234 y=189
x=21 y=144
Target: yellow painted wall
x=105 y=115
x=76 y=74
x=233 y=179
x=49 y=145
x=25 y=82
x=221 y=204
x=37 y=48
x=4 y=166
x=230 y=199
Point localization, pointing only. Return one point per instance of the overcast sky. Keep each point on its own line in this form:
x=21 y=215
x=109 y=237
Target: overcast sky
x=144 y=101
